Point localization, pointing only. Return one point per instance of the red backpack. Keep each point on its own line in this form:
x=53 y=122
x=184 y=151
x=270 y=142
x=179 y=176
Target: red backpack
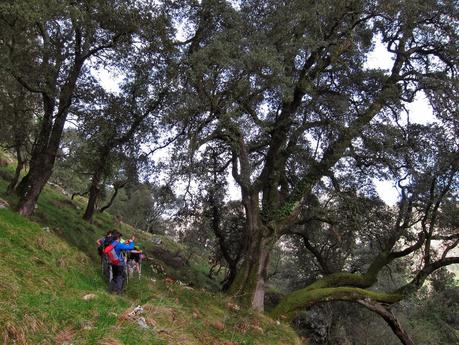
x=111 y=253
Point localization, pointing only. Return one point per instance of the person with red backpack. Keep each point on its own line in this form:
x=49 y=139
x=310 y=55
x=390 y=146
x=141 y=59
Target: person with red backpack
x=117 y=262
x=102 y=243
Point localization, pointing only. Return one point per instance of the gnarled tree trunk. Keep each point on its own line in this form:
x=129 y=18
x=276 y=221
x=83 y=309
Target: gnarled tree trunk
x=94 y=191
x=250 y=280
x=46 y=147
x=32 y=184
x=43 y=157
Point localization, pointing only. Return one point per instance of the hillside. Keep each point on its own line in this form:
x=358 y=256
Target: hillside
x=52 y=291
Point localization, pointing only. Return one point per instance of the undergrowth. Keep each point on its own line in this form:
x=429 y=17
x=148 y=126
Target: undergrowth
x=52 y=292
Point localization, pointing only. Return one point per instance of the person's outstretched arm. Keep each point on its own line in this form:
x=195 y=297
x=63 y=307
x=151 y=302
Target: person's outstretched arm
x=124 y=246
x=127 y=246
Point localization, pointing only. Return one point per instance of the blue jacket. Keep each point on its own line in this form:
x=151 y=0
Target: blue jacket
x=122 y=246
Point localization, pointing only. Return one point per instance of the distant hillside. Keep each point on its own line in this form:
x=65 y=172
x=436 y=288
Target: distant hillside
x=52 y=291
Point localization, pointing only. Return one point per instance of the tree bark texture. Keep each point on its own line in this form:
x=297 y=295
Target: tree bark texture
x=32 y=184
x=43 y=157
x=94 y=192
x=41 y=168
x=249 y=282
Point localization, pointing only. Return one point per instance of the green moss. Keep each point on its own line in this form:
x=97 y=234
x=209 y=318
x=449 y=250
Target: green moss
x=342 y=279
x=304 y=298
x=244 y=285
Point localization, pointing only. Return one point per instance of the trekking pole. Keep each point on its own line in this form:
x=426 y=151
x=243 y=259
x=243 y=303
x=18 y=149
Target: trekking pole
x=126 y=269
x=139 y=271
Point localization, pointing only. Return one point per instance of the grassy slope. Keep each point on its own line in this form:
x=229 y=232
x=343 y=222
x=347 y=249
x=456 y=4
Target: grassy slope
x=49 y=263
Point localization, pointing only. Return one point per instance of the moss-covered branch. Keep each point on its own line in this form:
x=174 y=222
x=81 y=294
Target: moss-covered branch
x=305 y=298
x=343 y=286
x=341 y=279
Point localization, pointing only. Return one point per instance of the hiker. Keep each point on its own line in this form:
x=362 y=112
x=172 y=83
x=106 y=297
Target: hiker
x=117 y=262
x=103 y=242
x=136 y=255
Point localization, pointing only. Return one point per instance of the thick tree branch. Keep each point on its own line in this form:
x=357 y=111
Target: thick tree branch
x=305 y=298
x=323 y=264
x=422 y=275
x=289 y=211
x=109 y=45
x=407 y=251
x=117 y=186
x=390 y=319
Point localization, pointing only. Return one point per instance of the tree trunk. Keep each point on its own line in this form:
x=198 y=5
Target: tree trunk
x=320 y=292
x=94 y=191
x=258 y=300
x=46 y=146
x=229 y=276
x=249 y=283
x=32 y=184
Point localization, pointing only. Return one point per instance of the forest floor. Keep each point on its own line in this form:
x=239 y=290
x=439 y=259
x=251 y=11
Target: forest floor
x=52 y=290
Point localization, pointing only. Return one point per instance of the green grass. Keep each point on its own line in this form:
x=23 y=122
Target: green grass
x=49 y=263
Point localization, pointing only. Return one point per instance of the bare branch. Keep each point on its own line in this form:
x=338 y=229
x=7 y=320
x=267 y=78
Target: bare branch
x=390 y=319
x=410 y=249
x=422 y=275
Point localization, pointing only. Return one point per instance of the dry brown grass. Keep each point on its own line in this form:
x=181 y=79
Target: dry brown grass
x=61 y=262
x=110 y=341
x=149 y=308
x=151 y=322
x=82 y=258
x=65 y=336
x=32 y=323
x=8 y=284
x=124 y=316
x=41 y=242
x=14 y=334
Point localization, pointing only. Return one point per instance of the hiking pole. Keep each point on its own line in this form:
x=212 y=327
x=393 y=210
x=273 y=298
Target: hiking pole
x=126 y=270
